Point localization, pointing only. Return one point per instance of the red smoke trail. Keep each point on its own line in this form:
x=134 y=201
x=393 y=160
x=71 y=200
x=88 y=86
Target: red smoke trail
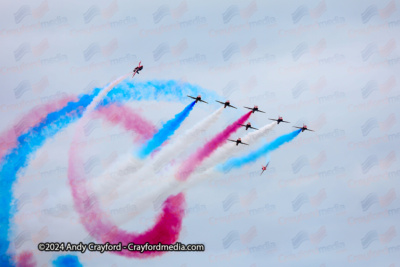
x=25 y=259
x=8 y=139
x=128 y=119
x=195 y=159
x=168 y=223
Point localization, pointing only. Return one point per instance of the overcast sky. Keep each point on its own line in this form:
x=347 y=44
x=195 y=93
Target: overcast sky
x=330 y=197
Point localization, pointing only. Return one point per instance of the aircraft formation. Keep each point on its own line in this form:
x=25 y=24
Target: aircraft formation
x=227 y=103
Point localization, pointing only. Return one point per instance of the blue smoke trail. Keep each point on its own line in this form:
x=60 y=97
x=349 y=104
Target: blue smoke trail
x=253 y=156
x=268 y=158
x=67 y=260
x=166 y=131
x=29 y=142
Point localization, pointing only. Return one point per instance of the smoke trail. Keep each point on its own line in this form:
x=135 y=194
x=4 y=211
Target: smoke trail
x=168 y=153
x=166 y=90
x=181 y=142
x=268 y=158
x=18 y=157
x=227 y=150
x=95 y=221
x=8 y=139
x=253 y=156
x=166 y=131
x=195 y=159
x=166 y=229
x=67 y=260
x=19 y=153
x=25 y=259
x=103 y=93
x=129 y=119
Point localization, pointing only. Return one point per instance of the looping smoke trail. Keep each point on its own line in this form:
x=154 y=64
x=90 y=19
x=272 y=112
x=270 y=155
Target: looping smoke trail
x=253 y=156
x=17 y=154
x=196 y=158
x=166 y=229
x=8 y=139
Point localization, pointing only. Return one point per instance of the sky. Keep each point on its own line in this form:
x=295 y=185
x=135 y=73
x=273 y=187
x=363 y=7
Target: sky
x=328 y=198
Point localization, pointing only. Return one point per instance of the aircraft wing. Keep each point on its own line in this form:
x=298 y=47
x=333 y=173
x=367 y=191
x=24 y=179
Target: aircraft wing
x=232 y=106
x=244 y=144
x=273 y=120
x=262 y=172
x=297 y=127
x=249 y=108
x=192 y=97
x=286 y=121
x=253 y=128
x=220 y=102
x=260 y=111
x=203 y=101
x=242 y=125
x=232 y=140
x=310 y=130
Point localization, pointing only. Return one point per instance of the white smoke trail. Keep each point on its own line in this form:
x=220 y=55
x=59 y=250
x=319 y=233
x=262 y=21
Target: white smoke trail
x=149 y=171
x=228 y=149
x=96 y=100
x=159 y=190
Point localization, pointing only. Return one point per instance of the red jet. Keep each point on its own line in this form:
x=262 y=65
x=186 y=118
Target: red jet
x=279 y=120
x=238 y=141
x=255 y=109
x=248 y=125
x=226 y=104
x=198 y=98
x=137 y=69
x=264 y=168
x=303 y=128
